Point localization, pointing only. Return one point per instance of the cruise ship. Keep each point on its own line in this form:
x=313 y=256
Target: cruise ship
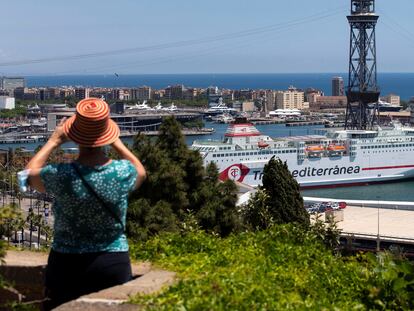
x=339 y=158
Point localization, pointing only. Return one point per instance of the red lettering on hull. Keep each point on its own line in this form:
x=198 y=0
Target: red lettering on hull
x=236 y=172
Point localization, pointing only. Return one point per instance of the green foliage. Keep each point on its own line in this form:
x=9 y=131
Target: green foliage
x=197 y=102
x=11 y=219
x=178 y=184
x=146 y=220
x=198 y=123
x=285 y=267
x=13 y=113
x=328 y=232
x=279 y=199
x=220 y=215
x=257 y=213
x=19 y=306
x=393 y=286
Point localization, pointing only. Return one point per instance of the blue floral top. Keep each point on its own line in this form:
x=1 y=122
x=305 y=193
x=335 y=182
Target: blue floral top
x=82 y=225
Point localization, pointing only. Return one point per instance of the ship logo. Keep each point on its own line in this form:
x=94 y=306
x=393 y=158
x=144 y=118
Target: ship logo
x=236 y=172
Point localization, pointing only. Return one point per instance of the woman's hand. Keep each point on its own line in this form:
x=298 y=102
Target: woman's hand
x=59 y=137
x=125 y=153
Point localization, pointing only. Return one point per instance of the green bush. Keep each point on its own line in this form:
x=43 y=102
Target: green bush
x=178 y=184
x=282 y=268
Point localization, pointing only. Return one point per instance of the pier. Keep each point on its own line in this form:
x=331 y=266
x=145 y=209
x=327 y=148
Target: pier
x=266 y=121
x=305 y=123
x=370 y=229
x=25 y=138
x=369 y=225
x=185 y=132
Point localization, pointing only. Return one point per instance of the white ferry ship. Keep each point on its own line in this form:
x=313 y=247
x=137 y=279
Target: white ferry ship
x=341 y=158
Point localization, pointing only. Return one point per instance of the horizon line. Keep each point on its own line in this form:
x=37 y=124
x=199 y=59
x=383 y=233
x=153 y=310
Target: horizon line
x=192 y=73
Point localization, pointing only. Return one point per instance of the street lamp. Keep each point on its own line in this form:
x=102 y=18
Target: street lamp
x=378 y=223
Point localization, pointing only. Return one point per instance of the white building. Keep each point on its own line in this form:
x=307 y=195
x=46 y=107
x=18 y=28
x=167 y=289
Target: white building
x=290 y=99
x=7 y=102
x=392 y=99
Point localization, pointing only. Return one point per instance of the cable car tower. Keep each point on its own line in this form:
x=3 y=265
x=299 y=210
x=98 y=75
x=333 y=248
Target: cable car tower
x=362 y=91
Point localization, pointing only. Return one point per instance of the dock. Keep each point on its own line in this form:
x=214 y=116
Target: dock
x=185 y=132
x=266 y=121
x=305 y=123
x=17 y=140
x=394 y=224
x=368 y=224
x=25 y=138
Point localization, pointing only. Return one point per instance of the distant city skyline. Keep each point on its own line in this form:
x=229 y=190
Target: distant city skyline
x=153 y=37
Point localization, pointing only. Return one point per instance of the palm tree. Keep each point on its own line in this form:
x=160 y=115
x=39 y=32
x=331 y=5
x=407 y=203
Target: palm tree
x=37 y=222
x=30 y=219
x=47 y=231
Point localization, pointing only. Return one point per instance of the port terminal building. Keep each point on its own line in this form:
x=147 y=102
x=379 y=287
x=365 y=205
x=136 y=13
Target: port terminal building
x=132 y=122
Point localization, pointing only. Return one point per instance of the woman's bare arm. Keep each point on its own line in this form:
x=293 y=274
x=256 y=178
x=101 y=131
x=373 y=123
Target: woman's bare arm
x=38 y=161
x=126 y=154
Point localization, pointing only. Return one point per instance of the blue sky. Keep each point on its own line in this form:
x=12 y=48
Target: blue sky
x=290 y=36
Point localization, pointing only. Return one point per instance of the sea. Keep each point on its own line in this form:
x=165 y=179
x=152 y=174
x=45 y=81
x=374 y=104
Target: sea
x=401 y=84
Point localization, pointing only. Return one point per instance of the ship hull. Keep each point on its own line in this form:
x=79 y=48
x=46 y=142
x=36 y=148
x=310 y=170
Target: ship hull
x=328 y=172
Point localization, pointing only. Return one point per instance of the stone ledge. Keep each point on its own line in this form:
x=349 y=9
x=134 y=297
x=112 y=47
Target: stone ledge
x=118 y=296
x=25 y=270
x=150 y=282
x=25 y=258
x=97 y=306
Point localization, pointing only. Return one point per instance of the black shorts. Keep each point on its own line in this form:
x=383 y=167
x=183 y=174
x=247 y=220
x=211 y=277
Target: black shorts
x=69 y=276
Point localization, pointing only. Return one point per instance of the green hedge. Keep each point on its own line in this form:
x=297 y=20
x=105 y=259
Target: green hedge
x=282 y=268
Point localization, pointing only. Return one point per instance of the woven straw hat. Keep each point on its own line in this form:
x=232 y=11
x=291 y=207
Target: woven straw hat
x=91 y=125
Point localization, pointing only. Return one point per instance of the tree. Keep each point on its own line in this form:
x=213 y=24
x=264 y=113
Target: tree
x=11 y=220
x=178 y=185
x=145 y=220
x=279 y=200
x=218 y=212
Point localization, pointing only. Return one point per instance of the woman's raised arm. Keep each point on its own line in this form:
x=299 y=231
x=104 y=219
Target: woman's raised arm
x=39 y=160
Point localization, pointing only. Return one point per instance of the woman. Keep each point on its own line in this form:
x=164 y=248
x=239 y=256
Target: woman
x=89 y=250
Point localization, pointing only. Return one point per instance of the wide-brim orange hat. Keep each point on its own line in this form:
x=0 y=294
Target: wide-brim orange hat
x=91 y=125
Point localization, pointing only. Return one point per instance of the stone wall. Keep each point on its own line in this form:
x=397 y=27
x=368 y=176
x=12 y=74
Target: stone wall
x=25 y=271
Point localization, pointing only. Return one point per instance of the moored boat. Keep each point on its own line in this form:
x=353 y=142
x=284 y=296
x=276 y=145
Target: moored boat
x=341 y=157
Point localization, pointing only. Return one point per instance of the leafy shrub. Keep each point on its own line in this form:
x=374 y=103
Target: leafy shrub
x=393 y=285
x=282 y=268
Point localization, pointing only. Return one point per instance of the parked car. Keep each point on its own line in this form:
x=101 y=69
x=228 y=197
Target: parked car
x=342 y=205
x=316 y=205
x=335 y=206
x=312 y=208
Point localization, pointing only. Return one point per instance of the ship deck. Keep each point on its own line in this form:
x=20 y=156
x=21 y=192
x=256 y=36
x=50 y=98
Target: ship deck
x=305 y=138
